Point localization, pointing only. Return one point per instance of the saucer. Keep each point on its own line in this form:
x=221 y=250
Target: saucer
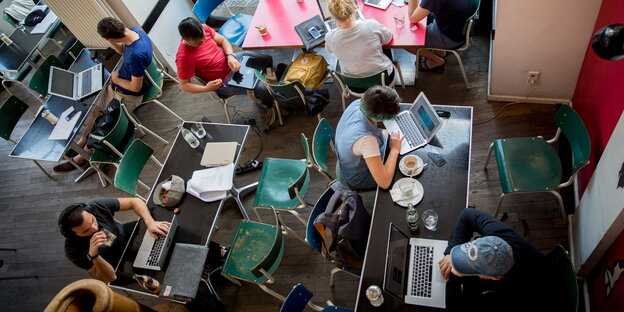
x=418 y=171
x=414 y=200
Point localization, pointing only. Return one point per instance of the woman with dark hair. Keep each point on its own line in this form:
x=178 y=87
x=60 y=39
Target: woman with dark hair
x=360 y=143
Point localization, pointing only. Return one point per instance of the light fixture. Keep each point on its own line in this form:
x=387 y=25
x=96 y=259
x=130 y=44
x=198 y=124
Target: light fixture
x=608 y=42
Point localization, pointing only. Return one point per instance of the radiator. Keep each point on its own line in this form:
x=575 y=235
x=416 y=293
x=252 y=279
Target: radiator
x=81 y=18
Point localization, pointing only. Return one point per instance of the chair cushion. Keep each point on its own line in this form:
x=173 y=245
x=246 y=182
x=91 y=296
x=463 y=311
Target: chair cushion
x=277 y=175
x=527 y=164
x=251 y=243
x=235 y=29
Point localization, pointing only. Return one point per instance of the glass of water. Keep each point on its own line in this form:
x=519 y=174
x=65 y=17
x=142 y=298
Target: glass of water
x=430 y=219
x=399 y=18
x=198 y=130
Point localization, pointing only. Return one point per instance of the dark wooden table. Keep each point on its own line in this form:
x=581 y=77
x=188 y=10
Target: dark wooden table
x=445 y=191
x=196 y=219
x=34 y=144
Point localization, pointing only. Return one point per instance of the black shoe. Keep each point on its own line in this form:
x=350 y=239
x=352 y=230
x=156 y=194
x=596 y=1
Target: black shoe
x=67 y=167
x=71 y=153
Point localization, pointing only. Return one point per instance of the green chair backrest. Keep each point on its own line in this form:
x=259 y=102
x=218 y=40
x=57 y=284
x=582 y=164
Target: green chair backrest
x=320 y=143
x=155 y=78
x=306 y=149
x=564 y=278
x=120 y=136
x=467 y=25
x=576 y=133
x=274 y=254
x=75 y=49
x=39 y=80
x=301 y=184
x=10 y=19
x=378 y=79
x=10 y=113
x=131 y=165
x=285 y=89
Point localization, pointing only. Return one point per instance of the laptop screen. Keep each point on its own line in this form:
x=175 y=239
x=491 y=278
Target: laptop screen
x=61 y=82
x=396 y=269
x=426 y=115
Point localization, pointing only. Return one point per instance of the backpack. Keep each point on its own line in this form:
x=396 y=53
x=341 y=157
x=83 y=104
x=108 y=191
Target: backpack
x=308 y=68
x=103 y=124
x=344 y=227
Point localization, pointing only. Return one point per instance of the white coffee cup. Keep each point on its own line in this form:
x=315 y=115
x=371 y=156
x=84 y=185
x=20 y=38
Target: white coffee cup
x=410 y=165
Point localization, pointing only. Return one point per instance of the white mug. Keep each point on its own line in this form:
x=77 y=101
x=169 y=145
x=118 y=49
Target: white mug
x=410 y=164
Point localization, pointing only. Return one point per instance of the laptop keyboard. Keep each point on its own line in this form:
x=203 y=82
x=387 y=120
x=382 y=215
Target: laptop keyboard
x=409 y=129
x=154 y=255
x=375 y=2
x=87 y=81
x=423 y=271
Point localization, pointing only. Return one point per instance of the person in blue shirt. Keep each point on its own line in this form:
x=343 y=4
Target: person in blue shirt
x=128 y=83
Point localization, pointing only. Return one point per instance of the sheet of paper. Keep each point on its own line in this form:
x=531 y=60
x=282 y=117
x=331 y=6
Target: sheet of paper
x=398 y=3
x=43 y=26
x=63 y=127
x=211 y=184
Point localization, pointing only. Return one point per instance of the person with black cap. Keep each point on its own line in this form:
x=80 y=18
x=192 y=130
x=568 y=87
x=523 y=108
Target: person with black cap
x=498 y=271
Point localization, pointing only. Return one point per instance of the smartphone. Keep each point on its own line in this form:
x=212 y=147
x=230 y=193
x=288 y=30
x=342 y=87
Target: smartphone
x=437 y=158
x=314 y=32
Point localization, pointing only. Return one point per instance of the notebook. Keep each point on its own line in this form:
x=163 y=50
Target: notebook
x=75 y=86
x=419 y=280
x=218 y=154
x=327 y=17
x=419 y=124
x=244 y=77
x=381 y=4
x=184 y=271
x=153 y=252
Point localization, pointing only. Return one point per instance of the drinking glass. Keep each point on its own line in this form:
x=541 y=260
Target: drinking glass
x=373 y=293
x=399 y=19
x=110 y=237
x=198 y=130
x=430 y=219
x=407 y=188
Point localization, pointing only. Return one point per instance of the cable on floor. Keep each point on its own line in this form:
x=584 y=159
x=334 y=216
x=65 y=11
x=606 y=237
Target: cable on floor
x=497 y=113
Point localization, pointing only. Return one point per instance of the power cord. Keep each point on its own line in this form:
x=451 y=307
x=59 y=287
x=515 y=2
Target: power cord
x=497 y=113
x=252 y=164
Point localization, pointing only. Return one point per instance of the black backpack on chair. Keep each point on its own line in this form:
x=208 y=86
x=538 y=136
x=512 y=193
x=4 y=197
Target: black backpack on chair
x=104 y=123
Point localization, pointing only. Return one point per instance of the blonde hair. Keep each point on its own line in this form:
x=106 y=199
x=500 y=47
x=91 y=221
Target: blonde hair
x=342 y=10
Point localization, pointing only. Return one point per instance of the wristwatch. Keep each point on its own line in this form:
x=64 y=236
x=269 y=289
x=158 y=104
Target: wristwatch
x=92 y=258
x=228 y=54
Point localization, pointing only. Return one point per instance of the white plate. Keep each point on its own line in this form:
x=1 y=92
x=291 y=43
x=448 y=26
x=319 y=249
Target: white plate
x=414 y=200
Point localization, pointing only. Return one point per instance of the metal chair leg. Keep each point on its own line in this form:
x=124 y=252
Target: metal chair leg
x=490 y=149
x=168 y=109
x=89 y=171
x=227 y=113
x=271 y=292
x=560 y=201
x=279 y=113
x=498 y=205
x=43 y=169
x=461 y=66
x=400 y=74
x=237 y=194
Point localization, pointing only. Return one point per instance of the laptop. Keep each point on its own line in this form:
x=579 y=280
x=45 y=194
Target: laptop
x=244 y=77
x=153 y=252
x=327 y=17
x=184 y=272
x=419 y=124
x=381 y=4
x=419 y=281
x=75 y=86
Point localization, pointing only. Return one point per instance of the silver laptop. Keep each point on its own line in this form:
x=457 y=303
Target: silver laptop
x=153 y=252
x=381 y=4
x=75 y=86
x=419 y=124
x=327 y=17
x=419 y=281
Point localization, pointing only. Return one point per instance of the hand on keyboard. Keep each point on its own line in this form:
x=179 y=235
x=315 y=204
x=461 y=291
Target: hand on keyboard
x=158 y=228
x=445 y=266
x=395 y=141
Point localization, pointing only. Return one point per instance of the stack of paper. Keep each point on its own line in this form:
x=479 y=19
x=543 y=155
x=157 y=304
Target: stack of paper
x=211 y=184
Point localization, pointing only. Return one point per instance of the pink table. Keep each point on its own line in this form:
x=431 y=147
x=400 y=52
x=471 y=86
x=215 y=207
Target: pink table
x=281 y=16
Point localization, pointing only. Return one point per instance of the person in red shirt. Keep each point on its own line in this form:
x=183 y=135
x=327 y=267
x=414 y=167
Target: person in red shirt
x=206 y=54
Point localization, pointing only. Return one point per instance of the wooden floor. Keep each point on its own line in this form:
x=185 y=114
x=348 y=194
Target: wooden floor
x=30 y=202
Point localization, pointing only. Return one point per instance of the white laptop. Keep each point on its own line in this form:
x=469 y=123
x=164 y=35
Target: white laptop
x=381 y=4
x=75 y=86
x=419 y=124
x=327 y=17
x=153 y=252
x=419 y=281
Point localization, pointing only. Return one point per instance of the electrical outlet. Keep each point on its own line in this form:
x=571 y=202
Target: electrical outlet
x=533 y=77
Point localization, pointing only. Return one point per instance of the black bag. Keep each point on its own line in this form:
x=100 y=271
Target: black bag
x=103 y=124
x=344 y=227
x=316 y=101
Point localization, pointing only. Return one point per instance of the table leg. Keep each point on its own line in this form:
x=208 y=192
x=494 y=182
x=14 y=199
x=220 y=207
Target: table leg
x=237 y=194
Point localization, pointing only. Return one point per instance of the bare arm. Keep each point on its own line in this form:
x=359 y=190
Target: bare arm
x=140 y=208
x=415 y=12
x=384 y=173
x=187 y=86
x=134 y=84
x=101 y=269
x=233 y=63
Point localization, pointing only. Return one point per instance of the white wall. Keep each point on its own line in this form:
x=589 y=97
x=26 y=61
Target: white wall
x=600 y=215
x=549 y=36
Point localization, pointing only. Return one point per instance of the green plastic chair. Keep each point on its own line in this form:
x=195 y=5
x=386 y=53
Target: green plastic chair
x=567 y=292
x=131 y=166
x=532 y=165
x=115 y=144
x=321 y=142
x=11 y=112
x=156 y=77
x=10 y=19
x=41 y=77
x=347 y=84
x=257 y=250
x=467 y=31
x=288 y=90
x=283 y=184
